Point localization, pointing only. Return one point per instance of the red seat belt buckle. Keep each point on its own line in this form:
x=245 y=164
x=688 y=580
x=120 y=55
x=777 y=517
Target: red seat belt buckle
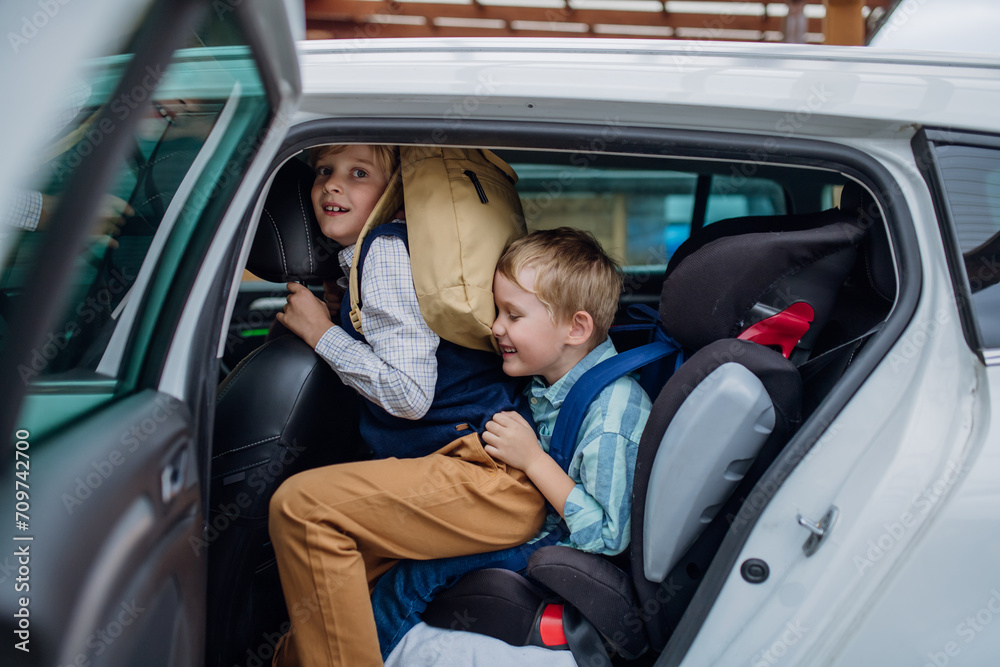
x=550 y=626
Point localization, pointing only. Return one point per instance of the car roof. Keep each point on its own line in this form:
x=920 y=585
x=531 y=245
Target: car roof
x=654 y=82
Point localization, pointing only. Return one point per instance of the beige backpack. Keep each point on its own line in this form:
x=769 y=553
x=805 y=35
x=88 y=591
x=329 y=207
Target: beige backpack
x=461 y=214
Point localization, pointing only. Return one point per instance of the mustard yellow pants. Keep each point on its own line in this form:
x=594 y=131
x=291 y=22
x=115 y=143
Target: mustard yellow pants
x=336 y=529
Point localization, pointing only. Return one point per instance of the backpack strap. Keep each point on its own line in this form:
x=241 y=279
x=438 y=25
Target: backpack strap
x=358 y=262
x=386 y=207
x=590 y=384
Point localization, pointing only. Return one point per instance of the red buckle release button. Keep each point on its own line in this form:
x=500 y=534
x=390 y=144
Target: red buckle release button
x=550 y=627
x=784 y=329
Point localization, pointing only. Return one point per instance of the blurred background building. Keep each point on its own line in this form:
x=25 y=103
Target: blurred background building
x=844 y=22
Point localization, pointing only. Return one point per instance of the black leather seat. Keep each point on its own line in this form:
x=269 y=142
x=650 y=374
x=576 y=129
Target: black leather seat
x=281 y=410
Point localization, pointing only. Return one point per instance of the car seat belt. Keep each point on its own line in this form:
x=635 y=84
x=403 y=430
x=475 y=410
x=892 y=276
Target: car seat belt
x=590 y=384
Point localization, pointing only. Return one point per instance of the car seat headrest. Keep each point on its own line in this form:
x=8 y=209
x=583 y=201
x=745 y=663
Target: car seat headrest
x=289 y=246
x=773 y=287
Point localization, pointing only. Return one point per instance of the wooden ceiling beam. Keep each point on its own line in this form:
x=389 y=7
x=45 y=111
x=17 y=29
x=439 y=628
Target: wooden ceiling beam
x=361 y=9
x=353 y=18
x=349 y=31
x=691 y=22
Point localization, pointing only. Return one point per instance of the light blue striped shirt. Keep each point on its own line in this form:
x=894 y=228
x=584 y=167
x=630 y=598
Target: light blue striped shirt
x=599 y=507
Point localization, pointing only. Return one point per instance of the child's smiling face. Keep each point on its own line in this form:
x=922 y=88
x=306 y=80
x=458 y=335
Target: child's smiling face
x=530 y=341
x=348 y=185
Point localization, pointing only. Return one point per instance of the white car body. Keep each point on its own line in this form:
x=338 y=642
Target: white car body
x=904 y=447
x=913 y=458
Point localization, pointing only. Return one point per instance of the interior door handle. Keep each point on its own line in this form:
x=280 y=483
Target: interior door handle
x=172 y=478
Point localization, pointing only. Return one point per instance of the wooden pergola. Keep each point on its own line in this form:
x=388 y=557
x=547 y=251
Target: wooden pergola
x=820 y=21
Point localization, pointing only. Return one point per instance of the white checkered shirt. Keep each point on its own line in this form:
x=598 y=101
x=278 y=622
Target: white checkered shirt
x=25 y=209
x=397 y=368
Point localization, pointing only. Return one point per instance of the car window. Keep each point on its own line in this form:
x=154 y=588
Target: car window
x=199 y=119
x=971 y=179
x=640 y=215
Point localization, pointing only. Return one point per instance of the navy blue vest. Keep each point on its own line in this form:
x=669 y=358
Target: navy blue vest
x=470 y=389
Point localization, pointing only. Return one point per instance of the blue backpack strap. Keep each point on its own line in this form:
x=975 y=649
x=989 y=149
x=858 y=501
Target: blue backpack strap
x=590 y=384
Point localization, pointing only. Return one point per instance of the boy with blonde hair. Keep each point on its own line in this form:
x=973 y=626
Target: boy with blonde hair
x=556 y=293
x=433 y=490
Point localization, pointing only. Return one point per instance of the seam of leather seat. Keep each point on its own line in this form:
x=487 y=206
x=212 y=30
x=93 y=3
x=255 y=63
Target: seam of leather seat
x=239 y=449
x=239 y=371
x=241 y=469
x=305 y=223
x=281 y=246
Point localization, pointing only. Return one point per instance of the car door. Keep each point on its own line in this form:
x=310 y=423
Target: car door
x=150 y=125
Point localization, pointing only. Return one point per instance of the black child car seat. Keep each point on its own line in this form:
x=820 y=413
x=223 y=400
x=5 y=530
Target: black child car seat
x=747 y=299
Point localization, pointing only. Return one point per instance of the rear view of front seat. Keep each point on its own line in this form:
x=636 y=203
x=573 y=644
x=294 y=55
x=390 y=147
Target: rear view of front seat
x=741 y=305
x=281 y=410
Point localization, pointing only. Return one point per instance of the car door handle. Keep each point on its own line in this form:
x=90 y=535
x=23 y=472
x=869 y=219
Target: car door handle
x=172 y=478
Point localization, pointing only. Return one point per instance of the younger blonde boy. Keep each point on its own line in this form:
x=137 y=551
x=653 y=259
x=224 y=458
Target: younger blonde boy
x=556 y=293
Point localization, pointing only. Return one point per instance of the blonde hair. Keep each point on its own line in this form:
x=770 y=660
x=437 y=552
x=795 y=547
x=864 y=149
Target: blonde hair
x=386 y=157
x=572 y=273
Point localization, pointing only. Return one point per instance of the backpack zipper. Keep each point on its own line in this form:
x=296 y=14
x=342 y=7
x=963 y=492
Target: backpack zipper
x=479 y=188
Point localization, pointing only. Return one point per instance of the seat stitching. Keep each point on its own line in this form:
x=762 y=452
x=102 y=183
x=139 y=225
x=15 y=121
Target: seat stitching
x=241 y=469
x=305 y=224
x=281 y=246
x=239 y=449
x=239 y=372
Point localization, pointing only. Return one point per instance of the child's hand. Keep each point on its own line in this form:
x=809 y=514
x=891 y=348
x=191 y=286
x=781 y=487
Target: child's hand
x=511 y=439
x=305 y=315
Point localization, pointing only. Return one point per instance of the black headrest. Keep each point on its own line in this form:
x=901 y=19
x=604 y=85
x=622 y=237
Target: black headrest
x=735 y=273
x=289 y=246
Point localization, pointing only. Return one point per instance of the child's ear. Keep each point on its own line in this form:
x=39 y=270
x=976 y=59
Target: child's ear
x=581 y=328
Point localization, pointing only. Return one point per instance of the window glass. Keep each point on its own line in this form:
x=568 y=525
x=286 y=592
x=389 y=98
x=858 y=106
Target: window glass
x=199 y=119
x=732 y=198
x=972 y=183
x=640 y=216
